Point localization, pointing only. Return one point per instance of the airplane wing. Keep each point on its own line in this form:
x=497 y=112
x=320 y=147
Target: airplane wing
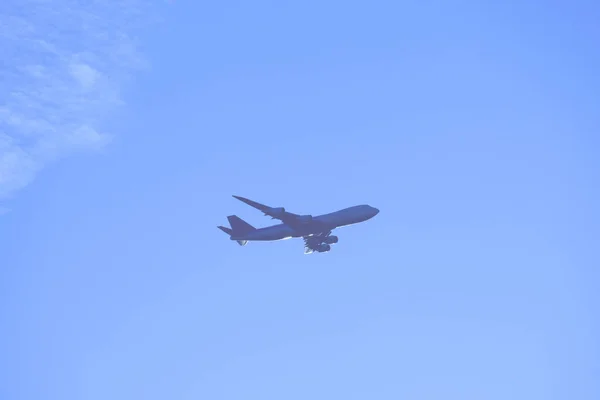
x=270 y=211
x=277 y=212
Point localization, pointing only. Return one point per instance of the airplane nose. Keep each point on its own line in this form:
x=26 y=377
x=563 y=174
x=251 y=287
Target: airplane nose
x=375 y=211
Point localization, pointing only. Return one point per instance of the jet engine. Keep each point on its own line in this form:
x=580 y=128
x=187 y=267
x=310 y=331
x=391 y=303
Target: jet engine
x=276 y=211
x=330 y=239
x=323 y=248
x=305 y=219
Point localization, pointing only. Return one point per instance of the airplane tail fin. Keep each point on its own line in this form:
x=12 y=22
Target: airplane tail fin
x=239 y=227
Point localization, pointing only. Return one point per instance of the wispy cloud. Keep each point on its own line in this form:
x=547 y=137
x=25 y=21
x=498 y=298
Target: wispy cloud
x=63 y=65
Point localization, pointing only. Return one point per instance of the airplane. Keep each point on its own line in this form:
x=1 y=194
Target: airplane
x=315 y=231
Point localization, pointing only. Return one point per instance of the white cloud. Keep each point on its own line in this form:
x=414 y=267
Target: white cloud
x=84 y=74
x=63 y=65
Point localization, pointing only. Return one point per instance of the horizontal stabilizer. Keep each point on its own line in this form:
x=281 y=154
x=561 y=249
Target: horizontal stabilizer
x=226 y=230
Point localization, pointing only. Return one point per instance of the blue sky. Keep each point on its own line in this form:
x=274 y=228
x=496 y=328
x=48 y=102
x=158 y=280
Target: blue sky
x=126 y=128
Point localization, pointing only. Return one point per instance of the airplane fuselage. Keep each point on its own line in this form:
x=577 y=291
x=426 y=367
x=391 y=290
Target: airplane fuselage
x=319 y=224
